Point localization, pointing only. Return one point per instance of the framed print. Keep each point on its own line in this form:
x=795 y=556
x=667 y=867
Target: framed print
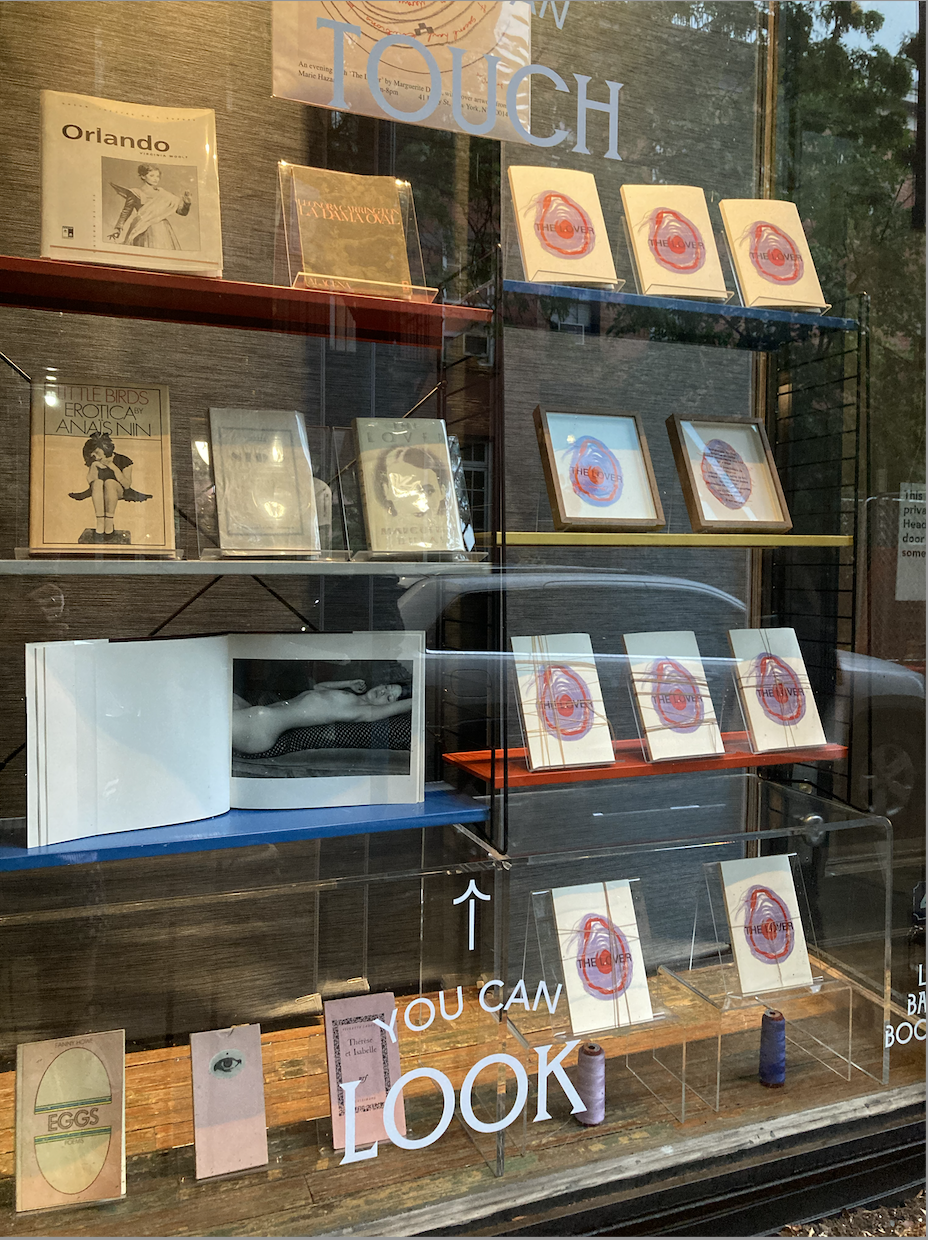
x=561 y=703
x=728 y=475
x=562 y=233
x=776 y=695
x=767 y=938
x=600 y=949
x=598 y=471
x=770 y=253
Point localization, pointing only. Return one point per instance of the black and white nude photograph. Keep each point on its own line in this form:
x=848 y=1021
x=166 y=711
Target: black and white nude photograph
x=315 y=718
x=150 y=204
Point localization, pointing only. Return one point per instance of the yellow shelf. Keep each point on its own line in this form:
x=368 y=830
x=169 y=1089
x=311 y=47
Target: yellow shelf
x=577 y=538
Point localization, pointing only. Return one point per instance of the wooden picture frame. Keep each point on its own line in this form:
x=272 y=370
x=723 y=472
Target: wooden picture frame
x=609 y=441
x=726 y=467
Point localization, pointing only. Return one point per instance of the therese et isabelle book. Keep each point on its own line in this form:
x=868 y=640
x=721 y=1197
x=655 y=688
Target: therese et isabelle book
x=100 y=469
x=130 y=185
x=121 y=736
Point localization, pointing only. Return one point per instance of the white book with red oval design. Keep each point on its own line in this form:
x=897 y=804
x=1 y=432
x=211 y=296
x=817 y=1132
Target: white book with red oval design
x=776 y=695
x=672 y=696
x=767 y=938
x=562 y=233
x=770 y=253
x=672 y=243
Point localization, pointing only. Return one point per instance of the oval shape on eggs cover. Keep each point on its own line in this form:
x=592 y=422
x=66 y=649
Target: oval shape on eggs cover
x=71 y=1158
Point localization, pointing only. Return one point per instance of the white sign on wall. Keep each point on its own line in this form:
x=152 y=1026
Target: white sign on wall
x=910 y=552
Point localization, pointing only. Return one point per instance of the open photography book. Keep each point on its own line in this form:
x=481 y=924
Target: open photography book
x=130 y=185
x=121 y=736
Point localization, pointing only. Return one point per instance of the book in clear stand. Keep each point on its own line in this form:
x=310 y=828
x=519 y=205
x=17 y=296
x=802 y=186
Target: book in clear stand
x=100 y=479
x=770 y=254
x=340 y=232
x=671 y=242
x=130 y=185
x=407 y=489
x=562 y=233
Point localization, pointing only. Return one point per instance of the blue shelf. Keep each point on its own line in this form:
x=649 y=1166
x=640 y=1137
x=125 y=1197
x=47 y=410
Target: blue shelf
x=669 y=318
x=242 y=828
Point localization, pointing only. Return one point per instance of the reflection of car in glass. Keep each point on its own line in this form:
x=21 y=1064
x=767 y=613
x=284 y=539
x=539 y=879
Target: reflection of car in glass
x=874 y=706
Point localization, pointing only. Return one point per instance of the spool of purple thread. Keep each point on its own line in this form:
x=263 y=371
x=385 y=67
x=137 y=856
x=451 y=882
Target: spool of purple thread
x=772 y=1069
x=591 y=1083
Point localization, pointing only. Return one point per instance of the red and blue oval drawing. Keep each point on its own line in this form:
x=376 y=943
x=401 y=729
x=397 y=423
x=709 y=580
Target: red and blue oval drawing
x=604 y=960
x=768 y=927
x=565 y=705
x=676 y=697
x=675 y=241
x=594 y=472
x=781 y=696
x=726 y=474
x=563 y=227
x=774 y=254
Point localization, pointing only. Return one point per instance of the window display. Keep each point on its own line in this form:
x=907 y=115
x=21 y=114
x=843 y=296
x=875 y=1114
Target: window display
x=100 y=444
x=447 y=798
x=150 y=199
x=229 y=1124
x=70 y=1120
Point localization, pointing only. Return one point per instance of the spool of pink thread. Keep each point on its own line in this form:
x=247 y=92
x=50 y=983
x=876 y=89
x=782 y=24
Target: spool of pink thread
x=591 y=1083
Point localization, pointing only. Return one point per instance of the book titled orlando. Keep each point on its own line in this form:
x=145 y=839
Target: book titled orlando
x=100 y=469
x=130 y=185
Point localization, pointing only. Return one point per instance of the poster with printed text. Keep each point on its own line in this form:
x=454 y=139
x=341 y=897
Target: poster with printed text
x=447 y=65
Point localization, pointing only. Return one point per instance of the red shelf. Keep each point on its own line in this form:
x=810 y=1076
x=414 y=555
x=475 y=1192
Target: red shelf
x=85 y=288
x=631 y=762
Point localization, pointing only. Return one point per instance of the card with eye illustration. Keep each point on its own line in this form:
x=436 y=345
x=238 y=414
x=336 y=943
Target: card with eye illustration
x=229 y=1123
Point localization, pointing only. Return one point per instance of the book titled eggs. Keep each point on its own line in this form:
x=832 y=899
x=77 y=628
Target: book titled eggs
x=70 y=1120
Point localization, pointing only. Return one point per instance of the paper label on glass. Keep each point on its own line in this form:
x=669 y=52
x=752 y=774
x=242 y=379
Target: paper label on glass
x=767 y=938
x=322 y=719
x=358 y=1050
x=130 y=185
x=770 y=253
x=413 y=79
x=407 y=486
x=561 y=703
x=351 y=227
x=731 y=470
x=562 y=233
x=265 y=497
x=597 y=465
x=70 y=1120
x=672 y=241
x=672 y=696
x=229 y=1123
x=775 y=692
x=100 y=468
x=600 y=949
